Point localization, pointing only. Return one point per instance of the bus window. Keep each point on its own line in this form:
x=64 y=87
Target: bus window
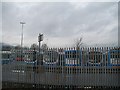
x=72 y=54
x=115 y=57
x=95 y=57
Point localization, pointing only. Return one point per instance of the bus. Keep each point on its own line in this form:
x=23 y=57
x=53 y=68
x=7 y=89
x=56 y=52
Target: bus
x=72 y=58
x=114 y=58
x=6 y=57
x=50 y=58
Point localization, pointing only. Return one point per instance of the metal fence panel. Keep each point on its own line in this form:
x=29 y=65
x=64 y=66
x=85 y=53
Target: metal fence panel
x=62 y=67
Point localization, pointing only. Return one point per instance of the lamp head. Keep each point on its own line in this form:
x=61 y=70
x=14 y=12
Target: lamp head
x=22 y=22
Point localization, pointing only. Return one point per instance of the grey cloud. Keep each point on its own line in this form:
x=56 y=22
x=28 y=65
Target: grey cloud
x=49 y=20
x=57 y=20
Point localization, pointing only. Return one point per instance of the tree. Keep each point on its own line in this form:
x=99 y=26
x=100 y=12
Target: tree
x=34 y=46
x=44 y=47
x=25 y=48
x=18 y=47
x=78 y=43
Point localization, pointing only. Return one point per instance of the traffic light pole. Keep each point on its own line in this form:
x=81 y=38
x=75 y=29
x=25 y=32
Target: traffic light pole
x=40 y=38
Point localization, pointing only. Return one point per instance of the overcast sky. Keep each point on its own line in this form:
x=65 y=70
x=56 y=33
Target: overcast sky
x=61 y=23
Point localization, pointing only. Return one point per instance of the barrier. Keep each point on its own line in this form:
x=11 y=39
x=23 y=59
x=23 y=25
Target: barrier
x=64 y=67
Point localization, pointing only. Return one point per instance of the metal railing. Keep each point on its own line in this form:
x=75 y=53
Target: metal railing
x=63 y=67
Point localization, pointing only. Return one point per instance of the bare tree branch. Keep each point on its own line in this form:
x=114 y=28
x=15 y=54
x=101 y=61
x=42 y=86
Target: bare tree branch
x=78 y=43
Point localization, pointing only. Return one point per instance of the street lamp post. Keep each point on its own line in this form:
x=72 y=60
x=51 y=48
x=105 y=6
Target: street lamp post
x=22 y=23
